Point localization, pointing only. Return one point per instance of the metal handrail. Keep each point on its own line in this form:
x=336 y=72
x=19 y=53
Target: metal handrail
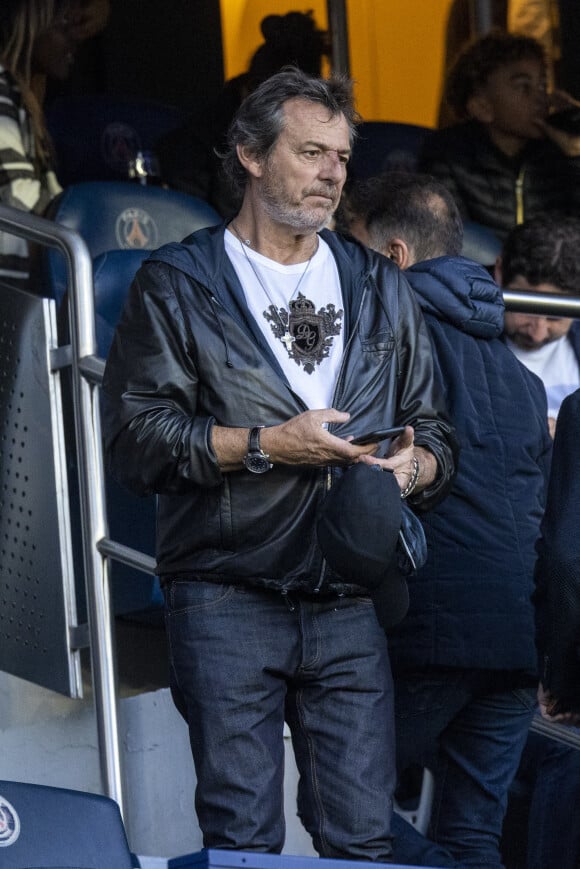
x=543 y=304
x=563 y=733
x=91 y=477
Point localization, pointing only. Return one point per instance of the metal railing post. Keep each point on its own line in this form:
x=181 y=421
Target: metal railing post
x=338 y=26
x=91 y=481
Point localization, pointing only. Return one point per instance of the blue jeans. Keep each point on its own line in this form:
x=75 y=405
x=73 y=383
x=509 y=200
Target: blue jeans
x=244 y=659
x=539 y=832
x=469 y=727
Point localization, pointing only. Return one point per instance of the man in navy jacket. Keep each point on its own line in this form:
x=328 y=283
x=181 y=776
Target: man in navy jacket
x=464 y=659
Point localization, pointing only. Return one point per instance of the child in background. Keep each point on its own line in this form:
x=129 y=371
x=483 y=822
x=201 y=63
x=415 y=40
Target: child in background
x=504 y=162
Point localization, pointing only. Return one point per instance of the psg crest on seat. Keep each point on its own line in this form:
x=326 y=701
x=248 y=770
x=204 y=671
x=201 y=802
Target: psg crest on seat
x=135 y=228
x=9 y=824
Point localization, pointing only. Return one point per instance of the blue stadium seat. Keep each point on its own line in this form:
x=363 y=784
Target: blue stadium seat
x=113 y=272
x=53 y=828
x=383 y=146
x=131 y=519
x=95 y=136
x=122 y=215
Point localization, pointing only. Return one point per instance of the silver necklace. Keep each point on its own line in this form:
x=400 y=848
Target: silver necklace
x=287 y=339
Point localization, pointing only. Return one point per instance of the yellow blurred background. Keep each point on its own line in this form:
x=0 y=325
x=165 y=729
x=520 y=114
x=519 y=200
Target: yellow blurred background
x=396 y=50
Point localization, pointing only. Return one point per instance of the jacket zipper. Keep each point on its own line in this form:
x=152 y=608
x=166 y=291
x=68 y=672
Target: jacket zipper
x=520 y=195
x=328 y=468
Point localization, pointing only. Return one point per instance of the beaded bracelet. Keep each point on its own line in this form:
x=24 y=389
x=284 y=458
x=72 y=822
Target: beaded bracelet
x=412 y=479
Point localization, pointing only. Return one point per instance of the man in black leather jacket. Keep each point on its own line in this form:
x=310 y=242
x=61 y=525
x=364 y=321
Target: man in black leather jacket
x=245 y=359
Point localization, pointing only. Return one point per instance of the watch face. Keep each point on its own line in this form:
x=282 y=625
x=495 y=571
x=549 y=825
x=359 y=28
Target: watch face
x=256 y=463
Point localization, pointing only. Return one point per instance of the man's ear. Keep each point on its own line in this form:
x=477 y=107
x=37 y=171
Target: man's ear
x=480 y=108
x=399 y=252
x=498 y=271
x=249 y=161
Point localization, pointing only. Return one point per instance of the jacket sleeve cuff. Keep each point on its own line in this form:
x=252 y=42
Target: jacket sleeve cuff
x=205 y=468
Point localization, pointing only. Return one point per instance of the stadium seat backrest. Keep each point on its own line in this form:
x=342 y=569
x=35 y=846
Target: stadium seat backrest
x=113 y=273
x=44 y=827
x=122 y=215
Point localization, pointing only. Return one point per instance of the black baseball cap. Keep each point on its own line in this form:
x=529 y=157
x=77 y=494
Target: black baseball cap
x=359 y=534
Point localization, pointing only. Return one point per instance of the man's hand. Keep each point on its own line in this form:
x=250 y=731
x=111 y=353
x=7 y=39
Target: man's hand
x=566 y=142
x=400 y=461
x=546 y=703
x=301 y=440
x=569 y=143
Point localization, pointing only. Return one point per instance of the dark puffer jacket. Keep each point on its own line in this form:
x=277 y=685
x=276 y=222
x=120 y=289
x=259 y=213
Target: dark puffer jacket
x=186 y=354
x=471 y=603
x=496 y=190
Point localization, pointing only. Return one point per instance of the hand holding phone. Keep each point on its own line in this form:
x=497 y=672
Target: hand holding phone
x=375 y=437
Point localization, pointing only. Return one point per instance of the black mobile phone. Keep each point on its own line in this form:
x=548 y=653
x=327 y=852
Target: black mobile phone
x=568 y=120
x=374 y=437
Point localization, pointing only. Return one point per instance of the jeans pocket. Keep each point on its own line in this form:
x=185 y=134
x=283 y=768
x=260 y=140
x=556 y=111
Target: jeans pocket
x=189 y=596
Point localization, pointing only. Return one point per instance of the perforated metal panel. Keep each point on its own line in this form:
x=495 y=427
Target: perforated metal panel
x=37 y=605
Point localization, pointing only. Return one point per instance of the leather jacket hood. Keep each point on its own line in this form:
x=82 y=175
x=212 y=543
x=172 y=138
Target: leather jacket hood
x=186 y=354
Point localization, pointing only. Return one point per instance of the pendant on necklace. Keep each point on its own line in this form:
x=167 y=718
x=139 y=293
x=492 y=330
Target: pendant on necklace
x=288 y=340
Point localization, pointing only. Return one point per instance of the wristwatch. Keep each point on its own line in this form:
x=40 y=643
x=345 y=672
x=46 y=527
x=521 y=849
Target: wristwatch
x=256 y=459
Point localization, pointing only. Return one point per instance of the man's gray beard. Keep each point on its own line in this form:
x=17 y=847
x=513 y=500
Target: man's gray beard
x=298 y=219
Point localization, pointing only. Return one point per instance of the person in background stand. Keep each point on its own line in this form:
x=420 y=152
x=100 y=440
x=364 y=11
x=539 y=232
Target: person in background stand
x=536 y=18
x=538 y=833
x=38 y=39
x=35 y=39
x=542 y=255
x=558 y=577
x=245 y=360
x=505 y=161
x=464 y=660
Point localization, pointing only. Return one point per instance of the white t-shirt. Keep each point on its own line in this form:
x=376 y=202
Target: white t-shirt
x=556 y=365
x=303 y=300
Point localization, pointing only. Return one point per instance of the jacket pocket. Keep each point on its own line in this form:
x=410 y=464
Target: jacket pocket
x=379 y=342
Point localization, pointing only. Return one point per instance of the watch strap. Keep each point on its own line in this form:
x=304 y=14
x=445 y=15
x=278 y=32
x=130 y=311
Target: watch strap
x=254 y=439
x=256 y=460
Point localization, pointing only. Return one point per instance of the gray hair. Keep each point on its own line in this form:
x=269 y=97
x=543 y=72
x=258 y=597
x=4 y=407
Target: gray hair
x=260 y=118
